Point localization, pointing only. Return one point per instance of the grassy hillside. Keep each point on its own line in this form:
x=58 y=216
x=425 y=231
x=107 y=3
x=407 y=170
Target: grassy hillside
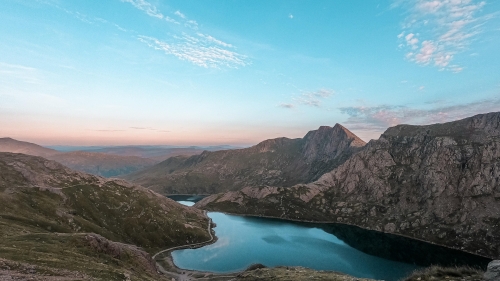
x=68 y=223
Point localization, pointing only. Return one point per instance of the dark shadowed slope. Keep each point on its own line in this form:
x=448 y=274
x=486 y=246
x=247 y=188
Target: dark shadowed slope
x=279 y=162
x=439 y=183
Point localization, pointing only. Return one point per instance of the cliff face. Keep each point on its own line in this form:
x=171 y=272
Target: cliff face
x=439 y=183
x=278 y=162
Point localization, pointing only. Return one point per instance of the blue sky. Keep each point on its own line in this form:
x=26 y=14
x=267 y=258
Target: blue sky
x=238 y=72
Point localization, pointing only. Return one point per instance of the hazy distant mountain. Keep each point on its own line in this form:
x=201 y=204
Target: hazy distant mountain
x=156 y=152
x=280 y=162
x=75 y=226
x=15 y=146
x=438 y=183
x=101 y=164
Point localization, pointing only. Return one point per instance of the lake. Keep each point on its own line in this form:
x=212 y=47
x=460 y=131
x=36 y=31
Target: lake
x=243 y=241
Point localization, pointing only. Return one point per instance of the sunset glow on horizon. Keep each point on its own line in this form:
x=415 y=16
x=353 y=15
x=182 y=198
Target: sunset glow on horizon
x=158 y=72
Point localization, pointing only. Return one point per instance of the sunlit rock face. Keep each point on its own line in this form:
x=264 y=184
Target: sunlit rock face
x=439 y=183
x=278 y=162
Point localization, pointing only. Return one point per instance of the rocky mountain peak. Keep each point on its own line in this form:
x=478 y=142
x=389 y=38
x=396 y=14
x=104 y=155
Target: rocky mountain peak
x=329 y=142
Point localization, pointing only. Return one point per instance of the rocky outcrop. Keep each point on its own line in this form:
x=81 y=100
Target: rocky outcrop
x=493 y=271
x=278 y=162
x=438 y=183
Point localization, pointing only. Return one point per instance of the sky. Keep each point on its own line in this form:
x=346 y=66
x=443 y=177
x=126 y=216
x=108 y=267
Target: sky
x=237 y=72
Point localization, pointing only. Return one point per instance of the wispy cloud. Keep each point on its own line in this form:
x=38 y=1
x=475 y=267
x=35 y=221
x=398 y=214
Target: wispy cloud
x=314 y=98
x=108 y=130
x=147 y=7
x=437 y=30
x=143 y=128
x=198 y=50
x=377 y=119
x=149 y=129
x=21 y=73
x=179 y=14
x=190 y=44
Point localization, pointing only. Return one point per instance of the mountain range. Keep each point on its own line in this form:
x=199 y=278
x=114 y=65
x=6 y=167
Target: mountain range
x=438 y=183
x=277 y=162
x=101 y=164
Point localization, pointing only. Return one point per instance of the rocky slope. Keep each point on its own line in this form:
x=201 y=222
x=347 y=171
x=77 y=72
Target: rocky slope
x=100 y=164
x=278 y=162
x=60 y=222
x=438 y=183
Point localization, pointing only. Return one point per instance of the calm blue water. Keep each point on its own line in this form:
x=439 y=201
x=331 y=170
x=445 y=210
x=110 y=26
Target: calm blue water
x=243 y=241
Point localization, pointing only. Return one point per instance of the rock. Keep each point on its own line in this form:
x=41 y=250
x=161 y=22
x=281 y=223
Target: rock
x=438 y=182
x=280 y=162
x=493 y=271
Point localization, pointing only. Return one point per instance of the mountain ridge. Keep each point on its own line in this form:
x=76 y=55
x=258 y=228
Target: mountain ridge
x=280 y=161
x=439 y=183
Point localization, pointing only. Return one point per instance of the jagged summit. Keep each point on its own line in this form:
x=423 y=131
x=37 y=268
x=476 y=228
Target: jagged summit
x=280 y=161
x=438 y=183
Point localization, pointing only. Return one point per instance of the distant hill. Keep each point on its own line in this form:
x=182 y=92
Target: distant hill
x=101 y=164
x=279 y=162
x=155 y=152
x=15 y=146
x=438 y=183
x=75 y=226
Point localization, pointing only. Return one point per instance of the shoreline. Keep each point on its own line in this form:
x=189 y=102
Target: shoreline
x=174 y=271
x=342 y=223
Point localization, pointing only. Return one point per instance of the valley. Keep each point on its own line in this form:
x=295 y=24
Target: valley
x=431 y=190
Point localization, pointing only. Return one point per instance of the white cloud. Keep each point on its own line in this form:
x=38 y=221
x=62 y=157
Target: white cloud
x=171 y=20
x=314 y=99
x=191 y=24
x=290 y=16
x=181 y=15
x=19 y=73
x=446 y=28
x=374 y=120
x=199 y=52
x=214 y=40
x=147 y=7
x=190 y=44
x=426 y=52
